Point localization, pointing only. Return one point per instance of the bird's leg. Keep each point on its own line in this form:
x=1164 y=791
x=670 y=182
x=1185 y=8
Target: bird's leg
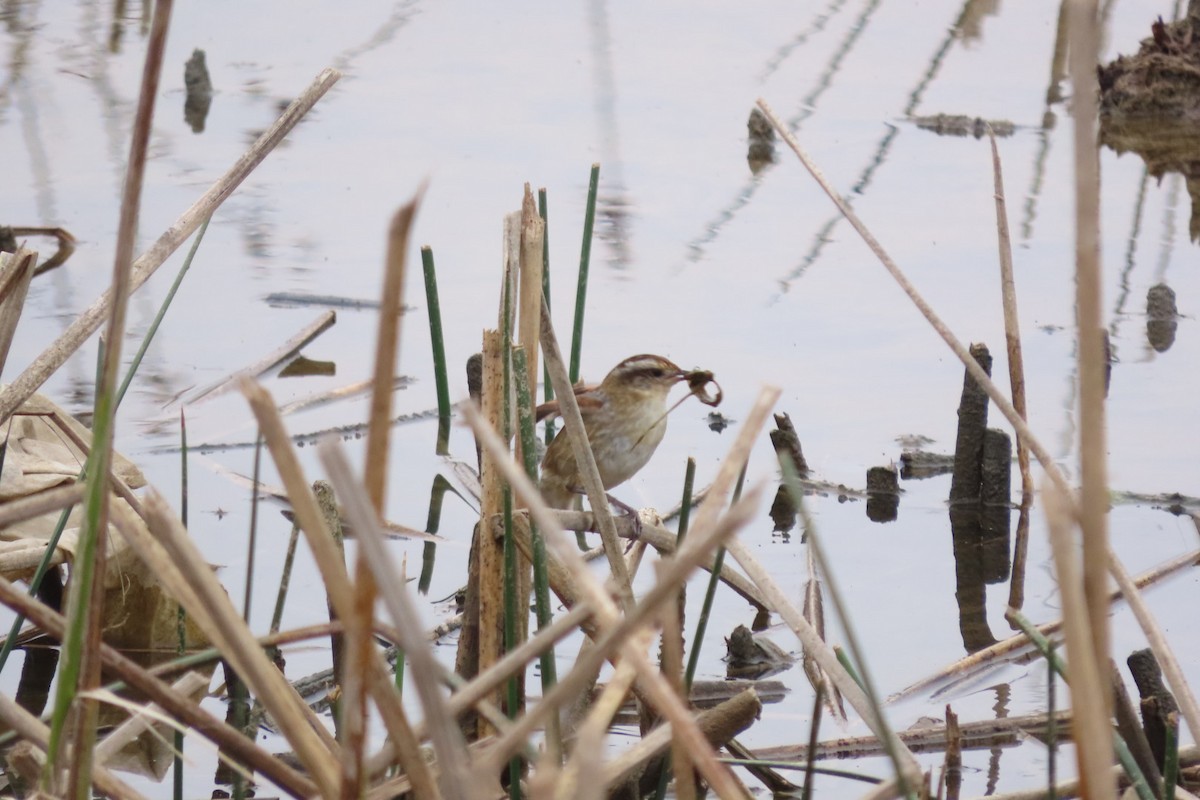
x=632 y=514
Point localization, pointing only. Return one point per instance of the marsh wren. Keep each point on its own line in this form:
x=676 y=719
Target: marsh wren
x=625 y=418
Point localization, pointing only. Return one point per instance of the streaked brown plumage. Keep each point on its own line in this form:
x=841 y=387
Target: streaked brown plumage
x=625 y=419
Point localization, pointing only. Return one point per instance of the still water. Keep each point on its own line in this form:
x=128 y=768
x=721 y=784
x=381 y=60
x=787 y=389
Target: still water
x=749 y=274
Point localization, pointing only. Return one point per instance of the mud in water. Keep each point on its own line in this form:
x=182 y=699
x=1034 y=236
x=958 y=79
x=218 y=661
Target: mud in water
x=1150 y=105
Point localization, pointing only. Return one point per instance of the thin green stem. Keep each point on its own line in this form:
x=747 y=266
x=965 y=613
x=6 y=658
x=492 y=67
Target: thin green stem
x=162 y=311
x=439 y=351
x=252 y=544
x=544 y=213
x=685 y=503
x=709 y=597
x=541 y=578
x=1052 y=726
x=792 y=481
x=585 y=258
x=814 y=731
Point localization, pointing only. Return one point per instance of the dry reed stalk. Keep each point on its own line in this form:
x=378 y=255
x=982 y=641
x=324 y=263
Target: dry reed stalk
x=130 y=729
x=517 y=660
x=323 y=322
x=34 y=731
x=221 y=734
x=663 y=540
x=675 y=572
x=490 y=559
x=1082 y=57
x=325 y=553
x=529 y=321
x=387 y=342
x=823 y=655
x=719 y=724
x=814 y=612
x=456 y=778
x=296 y=720
x=327 y=502
x=588 y=781
x=88 y=611
x=588 y=472
x=16 y=271
x=356 y=675
x=582 y=775
x=401 y=734
x=654 y=687
x=976 y=371
x=982 y=658
x=484 y=684
x=56 y=499
x=379 y=426
x=603 y=708
x=89 y=321
x=1012 y=325
x=1158 y=644
x=17 y=557
x=1092 y=733
x=672 y=657
x=1075 y=787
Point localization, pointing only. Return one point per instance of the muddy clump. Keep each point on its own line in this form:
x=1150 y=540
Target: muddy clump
x=1150 y=103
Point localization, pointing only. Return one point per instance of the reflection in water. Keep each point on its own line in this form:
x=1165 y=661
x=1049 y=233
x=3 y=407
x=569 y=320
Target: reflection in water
x=970 y=570
x=970 y=24
x=1161 y=310
x=400 y=15
x=1000 y=708
x=824 y=233
x=980 y=513
x=807 y=106
x=783 y=512
x=1054 y=96
x=613 y=206
x=814 y=27
x=1124 y=281
x=1016 y=586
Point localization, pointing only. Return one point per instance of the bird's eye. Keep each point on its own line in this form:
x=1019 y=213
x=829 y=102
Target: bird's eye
x=656 y=372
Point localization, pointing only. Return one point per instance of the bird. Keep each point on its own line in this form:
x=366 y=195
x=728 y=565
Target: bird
x=625 y=417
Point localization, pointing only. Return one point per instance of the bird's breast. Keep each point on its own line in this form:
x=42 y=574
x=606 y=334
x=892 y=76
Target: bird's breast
x=621 y=455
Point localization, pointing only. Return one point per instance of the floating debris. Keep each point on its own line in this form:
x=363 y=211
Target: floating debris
x=761 y=141
x=962 y=125
x=754 y=656
x=199 y=91
x=302 y=299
